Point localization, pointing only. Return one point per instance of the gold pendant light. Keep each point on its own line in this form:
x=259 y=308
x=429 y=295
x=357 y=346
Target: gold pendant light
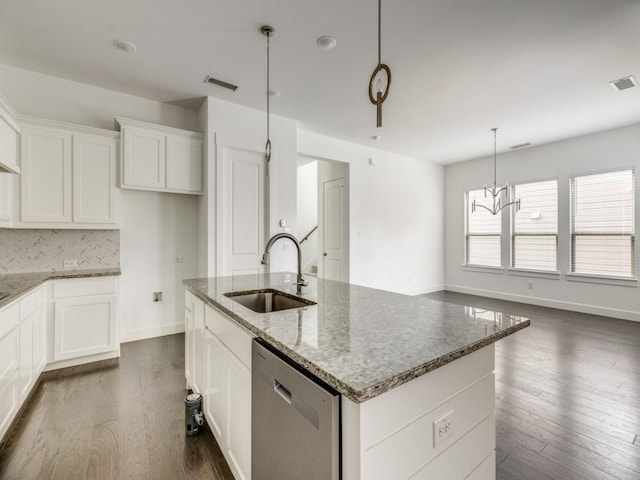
x=380 y=82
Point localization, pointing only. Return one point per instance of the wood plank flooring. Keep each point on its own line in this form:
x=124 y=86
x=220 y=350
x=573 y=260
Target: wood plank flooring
x=118 y=419
x=567 y=408
x=567 y=395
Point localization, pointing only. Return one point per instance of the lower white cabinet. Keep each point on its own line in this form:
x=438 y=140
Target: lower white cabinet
x=188 y=338
x=9 y=365
x=85 y=318
x=227 y=396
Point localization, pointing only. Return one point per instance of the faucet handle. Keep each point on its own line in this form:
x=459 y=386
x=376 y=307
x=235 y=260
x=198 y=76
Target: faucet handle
x=301 y=281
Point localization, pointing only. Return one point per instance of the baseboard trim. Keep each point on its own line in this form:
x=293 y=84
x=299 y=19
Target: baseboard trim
x=546 y=302
x=72 y=362
x=144 y=333
x=423 y=290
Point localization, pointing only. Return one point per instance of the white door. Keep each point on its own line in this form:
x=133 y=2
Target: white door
x=241 y=207
x=334 y=230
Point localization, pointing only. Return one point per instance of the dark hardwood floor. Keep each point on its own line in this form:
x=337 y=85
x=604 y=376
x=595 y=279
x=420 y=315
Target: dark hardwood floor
x=118 y=419
x=567 y=395
x=567 y=388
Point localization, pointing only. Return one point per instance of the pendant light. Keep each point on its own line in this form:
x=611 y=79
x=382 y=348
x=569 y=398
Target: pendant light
x=268 y=32
x=495 y=190
x=380 y=82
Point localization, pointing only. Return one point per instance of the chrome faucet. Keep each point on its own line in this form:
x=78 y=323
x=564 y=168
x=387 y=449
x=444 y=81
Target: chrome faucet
x=300 y=282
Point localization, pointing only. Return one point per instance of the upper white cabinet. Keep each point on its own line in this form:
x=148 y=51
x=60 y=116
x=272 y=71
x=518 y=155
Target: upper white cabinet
x=160 y=158
x=68 y=177
x=9 y=133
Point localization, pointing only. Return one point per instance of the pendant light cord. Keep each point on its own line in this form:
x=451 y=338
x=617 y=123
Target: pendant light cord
x=495 y=154
x=268 y=86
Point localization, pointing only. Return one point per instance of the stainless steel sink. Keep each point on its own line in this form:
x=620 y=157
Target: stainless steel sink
x=268 y=300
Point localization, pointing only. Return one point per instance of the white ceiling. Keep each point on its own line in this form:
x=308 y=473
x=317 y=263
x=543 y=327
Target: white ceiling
x=538 y=69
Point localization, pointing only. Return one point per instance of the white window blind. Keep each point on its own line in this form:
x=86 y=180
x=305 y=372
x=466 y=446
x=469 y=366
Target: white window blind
x=534 y=242
x=483 y=233
x=602 y=224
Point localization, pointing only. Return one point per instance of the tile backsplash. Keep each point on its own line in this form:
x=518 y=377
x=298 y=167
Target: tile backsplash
x=25 y=250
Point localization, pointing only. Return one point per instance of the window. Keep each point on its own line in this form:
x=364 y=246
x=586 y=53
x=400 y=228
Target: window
x=602 y=224
x=534 y=239
x=483 y=234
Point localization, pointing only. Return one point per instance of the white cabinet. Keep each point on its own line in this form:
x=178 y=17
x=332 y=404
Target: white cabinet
x=227 y=396
x=9 y=365
x=45 y=182
x=188 y=338
x=33 y=337
x=85 y=319
x=196 y=351
x=68 y=177
x=9 y=133
x=160 y=158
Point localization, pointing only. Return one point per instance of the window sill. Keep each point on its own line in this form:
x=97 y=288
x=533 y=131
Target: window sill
x=620 y=281
x=552 y=275
x=482 y=268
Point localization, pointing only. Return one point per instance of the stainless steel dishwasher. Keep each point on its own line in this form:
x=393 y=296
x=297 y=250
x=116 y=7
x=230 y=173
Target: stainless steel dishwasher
x=295 y=421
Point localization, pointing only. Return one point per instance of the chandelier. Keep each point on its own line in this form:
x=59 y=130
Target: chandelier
x=497 y=192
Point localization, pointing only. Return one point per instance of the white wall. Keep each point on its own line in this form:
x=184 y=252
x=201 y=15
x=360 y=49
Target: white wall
x=307 y=199
x=230 y=120
x=591 y=153
x=395 y=210
x=156 y=227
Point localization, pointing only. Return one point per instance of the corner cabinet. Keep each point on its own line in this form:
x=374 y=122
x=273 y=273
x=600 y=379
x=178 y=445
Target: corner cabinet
x=9 y=134
x=85 y=321
x=159 y=158
x=68 y=177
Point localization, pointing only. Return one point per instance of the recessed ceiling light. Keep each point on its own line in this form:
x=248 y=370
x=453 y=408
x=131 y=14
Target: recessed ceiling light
x=624 y=83
x=520 y=145
x=125 y=46
x=326 y=42
x=376 y=137
x=274 y=93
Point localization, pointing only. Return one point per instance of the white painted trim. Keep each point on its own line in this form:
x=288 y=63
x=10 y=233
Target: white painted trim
x=483 y=268
x=128 y=122
x=8 y=113
x=26 y=120
x=424 y=290
x=72 y=362
x=144 y=333
x=603 y=279
x=523 y=272
x=545 y=302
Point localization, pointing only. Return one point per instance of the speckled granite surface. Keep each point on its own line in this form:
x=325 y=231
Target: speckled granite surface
x=17 y=284
x=361 y=341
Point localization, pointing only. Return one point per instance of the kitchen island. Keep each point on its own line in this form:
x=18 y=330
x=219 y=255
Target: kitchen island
x=415 y=375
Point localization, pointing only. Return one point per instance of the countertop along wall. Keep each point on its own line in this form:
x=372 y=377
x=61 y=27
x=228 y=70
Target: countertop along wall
x=156 y=228
x=598 y=152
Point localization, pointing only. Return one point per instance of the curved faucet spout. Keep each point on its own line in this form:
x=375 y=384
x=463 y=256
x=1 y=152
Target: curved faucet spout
x=300 y=281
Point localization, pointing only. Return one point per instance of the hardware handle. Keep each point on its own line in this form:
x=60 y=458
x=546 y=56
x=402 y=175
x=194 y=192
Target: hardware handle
x=282 y=391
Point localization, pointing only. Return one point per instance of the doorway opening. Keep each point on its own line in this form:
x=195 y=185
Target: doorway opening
x=323 y=217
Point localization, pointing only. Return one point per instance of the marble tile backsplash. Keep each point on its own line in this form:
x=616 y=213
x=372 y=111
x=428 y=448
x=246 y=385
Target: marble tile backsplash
x=29 y=250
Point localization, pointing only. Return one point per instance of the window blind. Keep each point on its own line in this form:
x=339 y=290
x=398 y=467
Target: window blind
x=483 y=234
x=602 y=223
x=534 y=238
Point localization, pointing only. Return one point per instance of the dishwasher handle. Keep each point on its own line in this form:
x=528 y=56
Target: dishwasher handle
x=282 y=391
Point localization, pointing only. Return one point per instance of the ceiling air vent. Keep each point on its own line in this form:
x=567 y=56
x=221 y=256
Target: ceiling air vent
x=624 y=83
x=220 y=83
x=522 y=145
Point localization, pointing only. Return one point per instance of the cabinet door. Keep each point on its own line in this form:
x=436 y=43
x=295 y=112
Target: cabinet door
x=95 y=194
x=143 y=158
x=215 y=394
x=198 y=367
x=26 y=378
x=238 y=441
x=84 y=326
x=8 y=145
x=9 y=359
x=184 y=164
x=45 y=177
x=6 y=196
x=40 y=340
x=188 y=338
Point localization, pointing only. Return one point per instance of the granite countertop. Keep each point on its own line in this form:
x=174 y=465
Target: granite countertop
x=17 y=284
x=361 y=341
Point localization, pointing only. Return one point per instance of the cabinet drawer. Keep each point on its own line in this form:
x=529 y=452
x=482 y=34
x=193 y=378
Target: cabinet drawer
x=9 y=357
x=234 y=337
x=9 y=318
x=78 y=287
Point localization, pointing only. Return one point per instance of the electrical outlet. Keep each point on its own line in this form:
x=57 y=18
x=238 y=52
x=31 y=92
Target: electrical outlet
x=442 y=428
x=70 y=263
x=157 y=297
x=286 y=278
x=530 y=285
